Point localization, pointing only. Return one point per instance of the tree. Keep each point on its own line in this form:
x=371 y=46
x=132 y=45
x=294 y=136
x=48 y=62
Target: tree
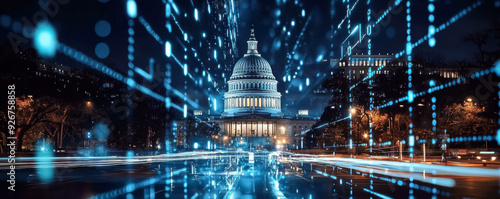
x=32 y=111
x=465 y=120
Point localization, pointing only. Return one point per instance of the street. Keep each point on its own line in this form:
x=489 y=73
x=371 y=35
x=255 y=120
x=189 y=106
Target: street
x=225 y=174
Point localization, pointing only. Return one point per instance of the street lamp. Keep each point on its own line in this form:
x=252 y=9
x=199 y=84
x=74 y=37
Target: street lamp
x=353 y=111
x=469 y=99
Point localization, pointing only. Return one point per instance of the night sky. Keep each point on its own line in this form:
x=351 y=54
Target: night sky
x=75 y=25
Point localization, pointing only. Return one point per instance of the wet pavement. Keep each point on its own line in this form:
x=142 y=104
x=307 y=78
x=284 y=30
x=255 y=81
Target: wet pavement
x=231 y=175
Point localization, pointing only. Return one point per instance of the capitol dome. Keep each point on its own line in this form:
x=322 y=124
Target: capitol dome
x=252 y=86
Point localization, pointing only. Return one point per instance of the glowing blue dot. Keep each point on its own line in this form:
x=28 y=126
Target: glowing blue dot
x=497 y=68
x=196 y=14
x=390 y=32
x=17 y=26
x=432 y=83
x=102 y=28
x=432 y=42
x=410 y=96
x=102 y=50
x=168 y=49
x=167 y=10
x=5 y=21
x=277 y=12
x=431 y=18
x=45 y=40
x=131 y=8
x=131 y=82
x=431 y=7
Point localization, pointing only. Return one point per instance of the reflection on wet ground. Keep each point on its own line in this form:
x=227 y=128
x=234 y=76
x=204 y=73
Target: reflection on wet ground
x=230 y=175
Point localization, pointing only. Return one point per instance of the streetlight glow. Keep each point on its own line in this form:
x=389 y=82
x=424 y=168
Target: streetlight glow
x=353 y=111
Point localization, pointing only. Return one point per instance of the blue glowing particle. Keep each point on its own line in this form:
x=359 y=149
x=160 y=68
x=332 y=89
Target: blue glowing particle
x=45 y=40
x=131 y=82
x=215 y=104
x=102 y=28
x=432 y=42
x=196 y=14
x=431 y=7
x=131 y=8
x=17 y=26
x=5 y=21
x=185 y=112
x=44 y=162
x=102 y=50
x=432 y=83
x=410 y=96
x=497 y=68
x=498 y=136
x=390 y=32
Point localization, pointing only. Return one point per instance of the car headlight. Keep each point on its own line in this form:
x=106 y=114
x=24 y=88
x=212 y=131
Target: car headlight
x=478 y=157
x=493 y=158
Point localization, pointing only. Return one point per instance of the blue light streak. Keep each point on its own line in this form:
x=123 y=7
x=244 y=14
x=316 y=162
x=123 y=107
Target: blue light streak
x=45 y=40
x=196 y=14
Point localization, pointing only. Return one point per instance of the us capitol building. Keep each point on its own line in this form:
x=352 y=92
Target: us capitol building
x=252 y=107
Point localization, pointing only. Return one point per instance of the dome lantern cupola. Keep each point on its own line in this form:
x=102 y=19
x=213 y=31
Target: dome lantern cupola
x=252 y=43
